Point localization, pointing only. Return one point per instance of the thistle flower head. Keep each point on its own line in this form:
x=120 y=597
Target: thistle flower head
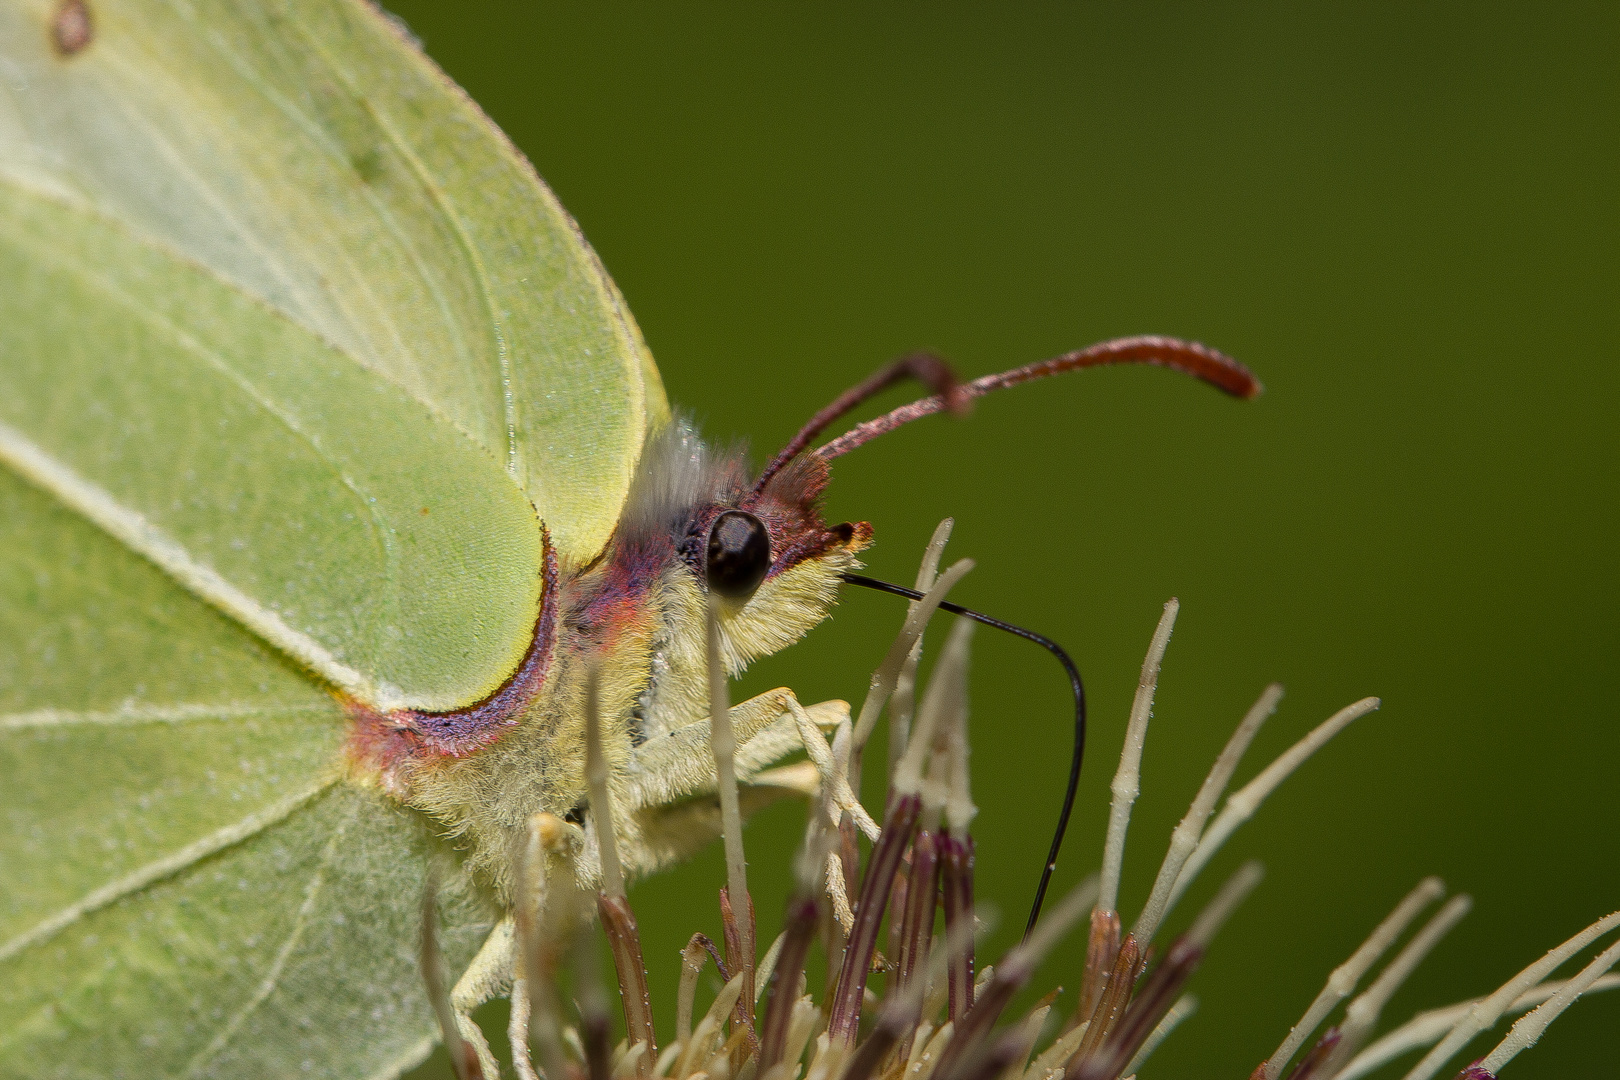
x=922 y=1009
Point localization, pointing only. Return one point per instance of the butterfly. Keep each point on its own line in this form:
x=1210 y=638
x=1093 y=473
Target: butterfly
x=331 y=464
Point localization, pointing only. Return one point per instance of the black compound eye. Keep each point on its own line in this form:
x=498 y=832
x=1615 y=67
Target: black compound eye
x=739 y=554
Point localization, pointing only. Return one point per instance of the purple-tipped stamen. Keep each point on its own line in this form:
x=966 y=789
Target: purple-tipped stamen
x=956 y=859
x=802 y=918
x=619 y=924
x=879 y=880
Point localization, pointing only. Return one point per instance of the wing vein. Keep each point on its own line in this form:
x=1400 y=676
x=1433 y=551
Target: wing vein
x=355 y=277
x=318 y=136
x=143 y=536
x=447 y=211
x=56 y=477
x=297 y=298
x=159 y=869
x=130 y=715
x=272 y=978
x=503 y=360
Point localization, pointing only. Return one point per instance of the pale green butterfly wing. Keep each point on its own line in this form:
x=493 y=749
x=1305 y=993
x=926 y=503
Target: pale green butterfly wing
x=320 y=505
x=188 y=890
x=306 y=152
x=187 y=887
x=293 y=346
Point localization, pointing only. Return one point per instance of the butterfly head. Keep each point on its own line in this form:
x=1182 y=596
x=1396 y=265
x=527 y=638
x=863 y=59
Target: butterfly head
x=699 y=531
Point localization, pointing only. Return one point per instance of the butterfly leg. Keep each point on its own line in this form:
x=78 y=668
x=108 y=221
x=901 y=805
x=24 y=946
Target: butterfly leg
x=517 y=1032
x=669 y=784
x=680 y=765
x=832 y=762
x=487 y=977
x=769 y=727
x=838 y=801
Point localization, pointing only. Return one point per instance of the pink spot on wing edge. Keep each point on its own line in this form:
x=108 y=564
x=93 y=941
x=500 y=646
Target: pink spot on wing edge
x=73 y=28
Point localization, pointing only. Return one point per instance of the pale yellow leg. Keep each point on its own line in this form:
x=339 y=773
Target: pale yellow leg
x=680 y=765
x=488 y=976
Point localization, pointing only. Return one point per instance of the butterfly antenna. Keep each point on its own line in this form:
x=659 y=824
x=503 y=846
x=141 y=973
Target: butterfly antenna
x=925 y=367
x=1187 y=357
x=1075 y=685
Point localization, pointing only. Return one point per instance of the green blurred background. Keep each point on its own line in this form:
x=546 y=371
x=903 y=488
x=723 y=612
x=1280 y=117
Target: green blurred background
x=1403 y=218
